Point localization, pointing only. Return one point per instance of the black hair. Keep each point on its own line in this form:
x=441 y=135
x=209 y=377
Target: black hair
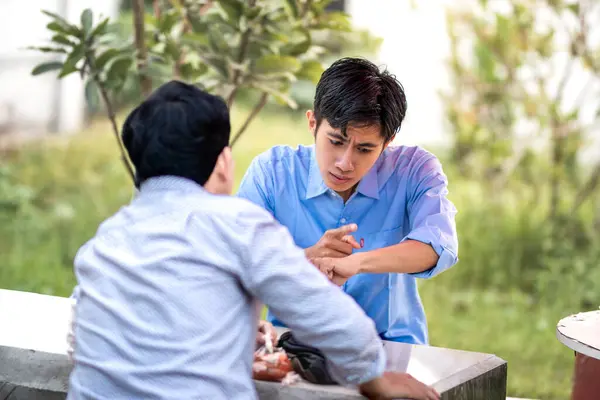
x=353 y=91
x=179 y=130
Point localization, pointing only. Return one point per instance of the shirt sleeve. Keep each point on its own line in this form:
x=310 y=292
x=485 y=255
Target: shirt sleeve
x=432 y=215
x=256 y=186
x=299 y=295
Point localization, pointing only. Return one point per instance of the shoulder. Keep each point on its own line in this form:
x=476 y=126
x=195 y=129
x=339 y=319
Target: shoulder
x=232 y=210
x=411 y=159
x=410 y=154
x=283 y=157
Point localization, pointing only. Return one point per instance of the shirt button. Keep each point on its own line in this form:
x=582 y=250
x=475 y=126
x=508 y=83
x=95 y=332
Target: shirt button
x=343 y=220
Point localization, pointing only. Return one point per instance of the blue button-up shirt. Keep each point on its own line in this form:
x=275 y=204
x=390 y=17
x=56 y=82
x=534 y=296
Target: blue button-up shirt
x=402 y=197
x=166 y=300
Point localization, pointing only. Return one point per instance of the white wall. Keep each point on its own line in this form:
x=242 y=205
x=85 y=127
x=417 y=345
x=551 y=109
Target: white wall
x=415 y=48
x=415 y=45
x=34 y=105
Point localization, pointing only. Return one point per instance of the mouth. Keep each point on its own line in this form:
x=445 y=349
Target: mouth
x=339 y=179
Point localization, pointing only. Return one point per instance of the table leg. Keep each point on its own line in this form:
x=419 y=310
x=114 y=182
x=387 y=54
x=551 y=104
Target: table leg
x=586 y=379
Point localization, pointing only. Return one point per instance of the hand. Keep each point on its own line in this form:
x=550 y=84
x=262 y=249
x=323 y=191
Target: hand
x=265 y=329
x=334 y=243
x=271 y=367
x=338 y=270
x=397 y=385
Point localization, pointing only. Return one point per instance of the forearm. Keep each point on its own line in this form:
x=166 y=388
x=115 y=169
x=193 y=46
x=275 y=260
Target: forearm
x=319 y=314
x=408 y=257
x=322 y=316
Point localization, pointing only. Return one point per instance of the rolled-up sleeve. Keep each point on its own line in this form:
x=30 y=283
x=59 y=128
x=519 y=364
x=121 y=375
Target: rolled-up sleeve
x=317 y=311
x=432 y=215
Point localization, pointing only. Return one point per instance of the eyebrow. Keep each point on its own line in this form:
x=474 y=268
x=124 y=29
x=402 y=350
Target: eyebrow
x=338 y=136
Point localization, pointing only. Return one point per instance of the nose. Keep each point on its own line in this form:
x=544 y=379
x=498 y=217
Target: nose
x=344 y=163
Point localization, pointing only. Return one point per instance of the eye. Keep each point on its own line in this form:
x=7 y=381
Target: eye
x=335 y=142
x=364 y=150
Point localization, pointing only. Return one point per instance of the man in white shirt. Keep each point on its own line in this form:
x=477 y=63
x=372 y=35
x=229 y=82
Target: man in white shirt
x=168 y=287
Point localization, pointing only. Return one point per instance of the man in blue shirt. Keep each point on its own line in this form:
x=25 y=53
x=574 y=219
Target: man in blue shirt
x=371 y=216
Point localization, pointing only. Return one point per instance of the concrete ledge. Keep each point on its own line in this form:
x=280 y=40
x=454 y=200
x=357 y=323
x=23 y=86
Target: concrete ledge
x=34 y=364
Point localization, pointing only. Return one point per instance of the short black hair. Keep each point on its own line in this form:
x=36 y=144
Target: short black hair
x=179 y=130
x=353 y=91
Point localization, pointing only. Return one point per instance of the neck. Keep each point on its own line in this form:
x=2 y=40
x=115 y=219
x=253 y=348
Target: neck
x=345 y=195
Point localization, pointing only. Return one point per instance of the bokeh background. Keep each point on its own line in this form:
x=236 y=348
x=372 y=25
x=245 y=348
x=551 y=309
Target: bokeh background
x=505 y=92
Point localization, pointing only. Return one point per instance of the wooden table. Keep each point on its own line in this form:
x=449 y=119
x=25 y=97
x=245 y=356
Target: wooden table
x=34 y=365
x=581 y=333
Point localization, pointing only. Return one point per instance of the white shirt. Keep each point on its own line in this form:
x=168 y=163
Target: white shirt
x=166 y=300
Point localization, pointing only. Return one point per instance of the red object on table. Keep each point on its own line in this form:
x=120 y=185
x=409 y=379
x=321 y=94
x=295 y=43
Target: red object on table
x=271 y=367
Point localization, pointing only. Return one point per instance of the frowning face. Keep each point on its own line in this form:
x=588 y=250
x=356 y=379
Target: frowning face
x=345 y=160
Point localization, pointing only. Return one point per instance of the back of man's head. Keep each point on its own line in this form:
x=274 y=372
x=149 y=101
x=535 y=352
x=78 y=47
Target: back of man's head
x=179 y=130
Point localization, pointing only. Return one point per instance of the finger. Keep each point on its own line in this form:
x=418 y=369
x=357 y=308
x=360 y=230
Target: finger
x=339 y=245
x=341 y=231
x=260 y=339
x=338 y=280
x=351 y=241
x=433 y=394
x=331 y=253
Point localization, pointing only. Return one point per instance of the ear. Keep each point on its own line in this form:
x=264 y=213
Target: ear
x=221 y=178
x=312 y=122
x=389 y=141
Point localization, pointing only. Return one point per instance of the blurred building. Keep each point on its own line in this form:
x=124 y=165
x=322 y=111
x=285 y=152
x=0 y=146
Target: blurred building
x=415 y=46
x=35 y=105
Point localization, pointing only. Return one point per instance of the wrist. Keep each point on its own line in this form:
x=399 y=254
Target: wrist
x=373 y=389
x=363 y=264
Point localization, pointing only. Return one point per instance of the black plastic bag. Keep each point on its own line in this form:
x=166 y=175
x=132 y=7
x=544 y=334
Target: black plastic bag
x=307 y=361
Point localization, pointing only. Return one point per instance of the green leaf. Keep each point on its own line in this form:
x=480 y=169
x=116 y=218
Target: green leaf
x=105 y=57
x=47 y=49
x=233 y=9
x=56 y=27
x=60 y=39
x=61 y=25
x=219 y=64
x=297 y=47
x=67 y=69
x=87 y=21
x=574 y=7
x=117 y=71
x=217 y=42
x=100 y=29
x=279 y=94
x=56 y=17
x=338 y=21
x=191 y=72
x=195 y=39
x=291 y=7
x=273 y=64
x=47 y=67
x=172 y=49
x=73 y=58
x=168 y=20
x=311 y=71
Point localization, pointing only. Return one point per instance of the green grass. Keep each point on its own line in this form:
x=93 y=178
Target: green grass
x=55 y=192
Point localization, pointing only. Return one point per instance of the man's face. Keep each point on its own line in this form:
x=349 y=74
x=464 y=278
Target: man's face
x=343 y=161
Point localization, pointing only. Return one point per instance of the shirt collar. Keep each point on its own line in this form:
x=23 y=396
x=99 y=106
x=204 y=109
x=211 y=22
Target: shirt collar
x=170 y=183
x=315 y=186
x=368 y=185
